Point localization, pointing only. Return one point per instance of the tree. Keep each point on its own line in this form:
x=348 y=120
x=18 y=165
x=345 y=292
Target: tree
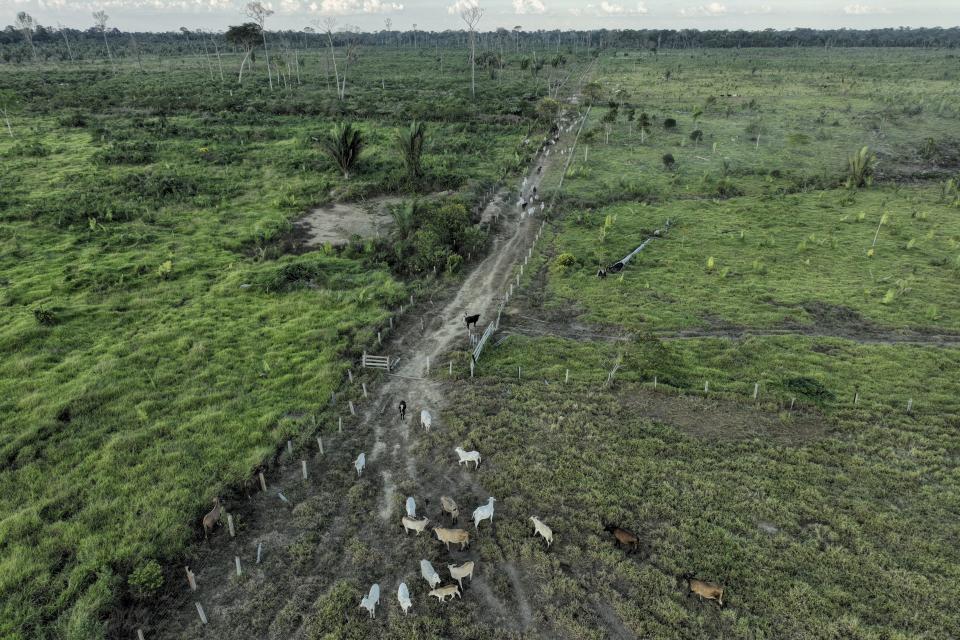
x=244 y=36
x=100 y=19
x=516 y=31
x=343 y=144
x=25 y=24
x=63 y=32
x=471 y=16
x=259 y=14
x=329 y=24
x=410 y=145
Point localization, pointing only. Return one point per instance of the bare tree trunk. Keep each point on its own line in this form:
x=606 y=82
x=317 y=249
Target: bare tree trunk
x=473 y=64
x=136 y=50
x=219 y=62
x=109 y=54
x=243 y=62
x=67 y=40
x=266 y=54
x=296 y=63
x=6 y=119
x=333 y=56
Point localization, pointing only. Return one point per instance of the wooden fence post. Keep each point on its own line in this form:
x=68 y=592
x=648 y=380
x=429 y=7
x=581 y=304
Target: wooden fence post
x=856 y=398
x=451 y=368
x=203 y=616
x=654 y=383
x=379 y=339
x=340 y=424
x=756 y=389
x=303 y=466
x=428 y=365
x=353 y=410
x=518 y=373
x=909 y=405
x=236 y=559
x=566 y=378
x=391 y=322
x=320 y=444
x=350 y=372
x=364 y=384
x=259 y=549
x=140 y=634
x=289 y=446
x=191 y=579
x=263 y=482
x=471 y=369
x=230 y=526
x=706 y=386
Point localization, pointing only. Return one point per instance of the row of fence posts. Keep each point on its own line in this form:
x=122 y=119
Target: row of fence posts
x=238 y=567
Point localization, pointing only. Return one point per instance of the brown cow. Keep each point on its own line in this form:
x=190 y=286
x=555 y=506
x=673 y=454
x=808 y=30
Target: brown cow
x=703 y=589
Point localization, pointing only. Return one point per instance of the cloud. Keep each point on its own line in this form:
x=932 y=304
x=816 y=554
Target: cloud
x=863 y=9
x=761 y=10
x=712 y=9
x=351 y=7
x=610 y=9
x=161 y=5
x=523 y=7
x=461 y=5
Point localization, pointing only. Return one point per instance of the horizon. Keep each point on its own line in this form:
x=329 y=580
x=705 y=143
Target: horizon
x=159 y=16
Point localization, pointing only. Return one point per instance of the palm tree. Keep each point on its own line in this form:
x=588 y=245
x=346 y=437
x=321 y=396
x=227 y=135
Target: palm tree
x=343 y=144
x=410 y=145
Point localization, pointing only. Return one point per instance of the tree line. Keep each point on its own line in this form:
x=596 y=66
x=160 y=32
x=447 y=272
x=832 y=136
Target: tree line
x=27 y=40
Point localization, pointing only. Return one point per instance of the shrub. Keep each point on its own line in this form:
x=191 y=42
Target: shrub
x=670 y=123
x=44 y=317
x=668 y=160
x=860 y=168
x=75 y=119
x=696 y=135
x=563 y=262
x=454 y=262
x=146 y=580
x=127 y=152
x=809 y=388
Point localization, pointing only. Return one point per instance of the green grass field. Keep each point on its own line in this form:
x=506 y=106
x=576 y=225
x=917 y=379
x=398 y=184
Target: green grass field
x=158 y=344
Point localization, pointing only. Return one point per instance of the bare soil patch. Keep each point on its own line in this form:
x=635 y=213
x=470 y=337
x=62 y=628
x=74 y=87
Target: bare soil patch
x=720 y=419
x=337 y=222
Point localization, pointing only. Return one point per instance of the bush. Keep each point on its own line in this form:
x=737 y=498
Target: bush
x=670 y=123
x=696 y=135
x=44 y=317
x=563 y=262
x=127 y=152
x=454 y=262
x=668 y=160
x=146 y=580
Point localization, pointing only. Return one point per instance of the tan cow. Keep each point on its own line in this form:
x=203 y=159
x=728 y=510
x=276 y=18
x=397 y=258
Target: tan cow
x=456 y=536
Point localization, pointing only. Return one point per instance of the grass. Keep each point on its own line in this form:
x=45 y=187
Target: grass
x=158 y=344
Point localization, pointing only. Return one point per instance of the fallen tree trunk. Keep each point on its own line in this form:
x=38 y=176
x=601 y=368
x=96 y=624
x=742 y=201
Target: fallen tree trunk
x=618 y=266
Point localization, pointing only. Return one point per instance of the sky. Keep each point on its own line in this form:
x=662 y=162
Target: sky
x=371 y=15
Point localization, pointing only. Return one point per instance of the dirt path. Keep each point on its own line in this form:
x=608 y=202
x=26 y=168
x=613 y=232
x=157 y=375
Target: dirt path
x=337 y=526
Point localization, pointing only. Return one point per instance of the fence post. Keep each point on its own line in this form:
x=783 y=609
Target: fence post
x=428 y=365
x=303 y=466
x=236 y=559
x=191 y=579
x=471 y=369
x=230 y=526
x=706 y=386
x=353 y=410
x=263 y=482
x=364 y=384
x=391 y=322
x=140 y=634
x=451 y=368
x=518 y=373
x=350 y=372
x=856 y=398
x=320 y=444
x=340 y=424
x=909 y=405
x=289 y=446
x=792 y=400
x=756 y=389
x=259 y=549
x=566 y=377
x=379 y=339
x=654 y=383
x=203 y=616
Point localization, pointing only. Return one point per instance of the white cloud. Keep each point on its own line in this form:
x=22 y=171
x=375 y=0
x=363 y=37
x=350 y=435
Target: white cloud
x=523 y=7
x=761 y=10
x=162 y=5
x=712 y=9
x=353 y=7
x=863 y=9
x=461 y=5
x=610 y=9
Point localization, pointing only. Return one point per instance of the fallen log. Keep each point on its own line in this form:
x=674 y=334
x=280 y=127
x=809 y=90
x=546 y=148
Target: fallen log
x=618 y=266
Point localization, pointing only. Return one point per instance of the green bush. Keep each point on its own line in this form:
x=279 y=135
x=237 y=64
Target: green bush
x=146 y=580
x=670 y=123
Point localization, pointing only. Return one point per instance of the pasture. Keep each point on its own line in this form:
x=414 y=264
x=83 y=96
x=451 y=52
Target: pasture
x=766 y=396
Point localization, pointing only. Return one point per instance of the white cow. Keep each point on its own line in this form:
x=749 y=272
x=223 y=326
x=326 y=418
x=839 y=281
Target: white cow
x=360 y=463
x=483 y=512
x=371 y=600
x=466 y=457
x=403 y=595
x=411 y=507
x=426 y=419
x=429 y=573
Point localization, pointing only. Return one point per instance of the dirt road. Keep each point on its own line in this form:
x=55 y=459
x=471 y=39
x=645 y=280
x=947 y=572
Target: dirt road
x=337 y=526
